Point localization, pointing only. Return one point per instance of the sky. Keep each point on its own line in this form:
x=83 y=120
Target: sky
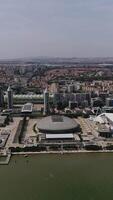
x=56 y=28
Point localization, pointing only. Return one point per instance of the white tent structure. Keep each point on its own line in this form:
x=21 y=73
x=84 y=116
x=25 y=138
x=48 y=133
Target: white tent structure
x=105 y=118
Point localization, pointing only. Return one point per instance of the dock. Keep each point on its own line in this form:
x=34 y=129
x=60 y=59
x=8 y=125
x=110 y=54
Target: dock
x=6 y=161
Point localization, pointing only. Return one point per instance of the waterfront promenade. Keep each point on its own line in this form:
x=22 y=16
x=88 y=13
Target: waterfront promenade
x=61 y=152
x=7 y=157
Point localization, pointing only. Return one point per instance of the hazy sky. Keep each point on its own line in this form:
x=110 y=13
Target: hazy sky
x=64 y=28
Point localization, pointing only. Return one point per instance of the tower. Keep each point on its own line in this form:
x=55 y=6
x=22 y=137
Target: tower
x=46 y=101
x=1 y=98
x=10 y=98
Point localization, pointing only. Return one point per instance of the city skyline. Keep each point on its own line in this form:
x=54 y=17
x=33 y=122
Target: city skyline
x=56 y=28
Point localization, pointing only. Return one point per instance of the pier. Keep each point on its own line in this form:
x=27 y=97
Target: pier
x=7 y=160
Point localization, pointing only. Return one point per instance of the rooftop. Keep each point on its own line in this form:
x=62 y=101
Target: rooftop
x=27 y=107
x=57 y=124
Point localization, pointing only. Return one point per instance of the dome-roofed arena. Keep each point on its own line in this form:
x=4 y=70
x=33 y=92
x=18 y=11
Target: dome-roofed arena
x=57 y=124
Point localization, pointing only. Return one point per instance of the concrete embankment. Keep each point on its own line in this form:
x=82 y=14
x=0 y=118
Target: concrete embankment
x=8 y=157
x=6 y=161
x=60 y=152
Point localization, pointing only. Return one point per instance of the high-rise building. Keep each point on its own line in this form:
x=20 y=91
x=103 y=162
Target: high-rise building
x=46 y=101
x=10 y=98
x=81 y=97
x=1 y=98
x=73 y=104
x=71 y=88
x=109 y=102
x=97 y=102
x=54 y=88
x=57 y=98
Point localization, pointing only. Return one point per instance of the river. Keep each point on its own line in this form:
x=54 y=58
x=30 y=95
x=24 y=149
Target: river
x=87 y=176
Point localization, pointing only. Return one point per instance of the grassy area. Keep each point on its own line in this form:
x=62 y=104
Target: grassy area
x=34 y=128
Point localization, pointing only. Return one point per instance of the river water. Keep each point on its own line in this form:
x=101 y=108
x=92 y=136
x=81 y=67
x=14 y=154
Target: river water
x=58 y=177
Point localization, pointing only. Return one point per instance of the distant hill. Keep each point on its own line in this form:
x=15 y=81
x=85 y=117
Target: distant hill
x=57 y=60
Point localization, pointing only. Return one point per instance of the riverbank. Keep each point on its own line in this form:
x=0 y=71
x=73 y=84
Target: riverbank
x=61 y=152
x=6 y=159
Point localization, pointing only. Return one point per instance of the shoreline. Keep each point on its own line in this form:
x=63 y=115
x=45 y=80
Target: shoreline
x=26 y=154
x=59 y=152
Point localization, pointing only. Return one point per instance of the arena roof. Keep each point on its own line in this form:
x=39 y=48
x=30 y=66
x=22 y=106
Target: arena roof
x=57 y=124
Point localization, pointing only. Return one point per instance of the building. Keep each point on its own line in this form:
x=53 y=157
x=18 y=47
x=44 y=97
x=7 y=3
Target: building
x=27 y=108
x=10 y=98
x=77 y=86
x=73 y=104
x=54 y=88
x=79 y=98
x=1 y=98
x=58 y=98
x=3 y=138
x=3 y=121
x=97 y=102
x=103 y=96
x=106 y=124
x=57 y=127
x=109 y=102
x=31 y=98
x=106 y=118
x=71 y=88
x=46 y=102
